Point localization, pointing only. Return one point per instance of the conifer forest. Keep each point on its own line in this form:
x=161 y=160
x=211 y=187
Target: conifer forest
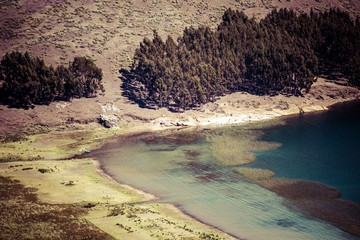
x=282 y=53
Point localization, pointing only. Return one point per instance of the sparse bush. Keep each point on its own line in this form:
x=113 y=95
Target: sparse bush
x=13 y=136
x=45 y=170
x=70 y=183
x=116 y=210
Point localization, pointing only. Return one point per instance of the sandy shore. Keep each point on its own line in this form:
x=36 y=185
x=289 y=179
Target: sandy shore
x=115 y=207
x=242 y=107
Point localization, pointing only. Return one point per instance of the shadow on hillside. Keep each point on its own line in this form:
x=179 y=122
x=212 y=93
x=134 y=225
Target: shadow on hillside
x=333 y=74
x=135 y=92
x=132 y=89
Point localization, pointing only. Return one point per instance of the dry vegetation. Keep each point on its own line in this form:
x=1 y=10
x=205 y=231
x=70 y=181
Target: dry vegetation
x=22 y=216
x=67 y=199
x=108 y=32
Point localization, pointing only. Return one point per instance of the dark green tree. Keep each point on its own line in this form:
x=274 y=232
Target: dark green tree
x=26 y=81
x=88 y=75
x=280 y=54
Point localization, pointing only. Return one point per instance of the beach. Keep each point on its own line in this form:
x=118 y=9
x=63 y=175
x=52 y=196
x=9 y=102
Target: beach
x=38 y=146
x=117 y=209
x=114 y=208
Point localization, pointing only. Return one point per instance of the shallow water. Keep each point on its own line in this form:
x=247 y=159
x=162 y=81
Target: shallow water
x=189 y=176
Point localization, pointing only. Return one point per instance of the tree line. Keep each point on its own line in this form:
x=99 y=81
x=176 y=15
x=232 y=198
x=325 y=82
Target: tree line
x=280 y=54
x=26 y=81
x=333 y=35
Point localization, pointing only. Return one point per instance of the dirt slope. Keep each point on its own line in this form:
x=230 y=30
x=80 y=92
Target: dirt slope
x=109 y=32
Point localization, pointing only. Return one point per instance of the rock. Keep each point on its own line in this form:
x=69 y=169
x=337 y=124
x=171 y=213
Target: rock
x=108 y=121
x=109 y=107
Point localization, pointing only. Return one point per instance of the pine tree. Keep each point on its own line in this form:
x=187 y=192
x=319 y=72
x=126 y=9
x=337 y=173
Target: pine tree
x=279 y=54
x=28 y=81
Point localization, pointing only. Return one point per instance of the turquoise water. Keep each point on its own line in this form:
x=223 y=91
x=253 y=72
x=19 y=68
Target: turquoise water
x=323 y=147
x=188 y=175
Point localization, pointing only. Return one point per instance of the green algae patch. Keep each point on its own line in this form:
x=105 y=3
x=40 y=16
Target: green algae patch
x=234 y=146
x=264 y=124
x=254 y=174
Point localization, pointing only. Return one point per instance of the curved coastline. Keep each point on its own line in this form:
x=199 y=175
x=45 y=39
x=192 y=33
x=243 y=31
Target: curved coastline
x=154 y=128
x=150 y=198
x=147 y=197
x=310 y=204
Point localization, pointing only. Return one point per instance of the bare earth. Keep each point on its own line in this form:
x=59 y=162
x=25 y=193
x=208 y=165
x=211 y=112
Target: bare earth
x=231 y=109
x=109 y=32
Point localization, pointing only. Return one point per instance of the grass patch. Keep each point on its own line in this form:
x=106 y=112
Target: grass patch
x=23 y=217
x=22 y=135
x=39 y=142
x=11 y=158
x=128 y=210
x=13 y=136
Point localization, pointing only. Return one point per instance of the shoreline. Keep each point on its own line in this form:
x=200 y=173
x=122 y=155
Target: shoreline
x=153 y=198
x=226 y=113
x=93 y=187
x=242 y=107
x=263 y=182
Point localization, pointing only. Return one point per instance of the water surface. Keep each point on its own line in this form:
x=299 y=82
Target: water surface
x=323 y=147
x=188 y=175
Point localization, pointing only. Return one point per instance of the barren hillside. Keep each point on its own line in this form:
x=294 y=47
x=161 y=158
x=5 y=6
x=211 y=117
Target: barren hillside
x=109 y=32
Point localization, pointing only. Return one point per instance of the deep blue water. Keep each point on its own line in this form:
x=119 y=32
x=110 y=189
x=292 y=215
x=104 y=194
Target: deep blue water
x=318 y=147
x=323 y=147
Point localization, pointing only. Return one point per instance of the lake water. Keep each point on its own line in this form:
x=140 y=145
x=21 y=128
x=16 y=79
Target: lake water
x=319 y=147
x=323 y=147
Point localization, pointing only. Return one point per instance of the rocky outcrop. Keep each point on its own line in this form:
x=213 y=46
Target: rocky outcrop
x=108 y=121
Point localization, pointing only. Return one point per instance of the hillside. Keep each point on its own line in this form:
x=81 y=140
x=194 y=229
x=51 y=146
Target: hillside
x=36 y=144
x=109 y=32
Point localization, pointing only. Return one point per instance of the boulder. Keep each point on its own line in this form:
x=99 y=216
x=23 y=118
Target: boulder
x=108 y=121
